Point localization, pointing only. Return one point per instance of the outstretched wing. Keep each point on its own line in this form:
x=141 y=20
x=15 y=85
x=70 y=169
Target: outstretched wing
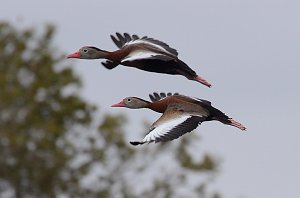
x=120 y=40
x=124 y=40
x=155 y=96
x=194 y=100
x=171 y=125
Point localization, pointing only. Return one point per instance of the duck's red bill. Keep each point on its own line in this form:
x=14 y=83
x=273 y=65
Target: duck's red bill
x=74 y=55
x=120 y=104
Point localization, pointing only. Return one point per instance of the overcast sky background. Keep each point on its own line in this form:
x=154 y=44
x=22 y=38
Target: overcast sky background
x=249 y=50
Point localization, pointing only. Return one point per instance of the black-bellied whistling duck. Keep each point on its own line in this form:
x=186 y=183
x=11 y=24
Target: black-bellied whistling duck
x=143 y=53
x=181 y=114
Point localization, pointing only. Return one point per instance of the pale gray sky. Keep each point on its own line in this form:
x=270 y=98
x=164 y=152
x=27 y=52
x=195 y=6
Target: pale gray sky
x=249 y=50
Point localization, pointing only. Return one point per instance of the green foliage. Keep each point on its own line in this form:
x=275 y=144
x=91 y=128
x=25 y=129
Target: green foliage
x=49 y=145
x=35 y=113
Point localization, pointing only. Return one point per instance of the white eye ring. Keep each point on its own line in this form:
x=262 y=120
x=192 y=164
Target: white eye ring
x=85 y=50
x=128 y=100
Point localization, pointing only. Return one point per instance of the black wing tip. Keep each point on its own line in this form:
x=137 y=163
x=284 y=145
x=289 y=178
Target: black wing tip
x=118 y=34
x=137 y=143
x=109 y=64
x=121 y=34
x=155 y=96
x=135 y=37
x=151 y=97
x=120 y=39
x=162 y=94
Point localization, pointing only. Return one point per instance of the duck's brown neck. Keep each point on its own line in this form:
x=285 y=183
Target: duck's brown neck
x=157 y=106
x=117 y=55
x=101 y=54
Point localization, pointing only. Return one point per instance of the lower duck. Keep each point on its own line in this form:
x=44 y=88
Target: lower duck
x=180 y=114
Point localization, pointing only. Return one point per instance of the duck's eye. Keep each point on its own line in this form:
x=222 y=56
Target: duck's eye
x=85 y=50
x=128 y=100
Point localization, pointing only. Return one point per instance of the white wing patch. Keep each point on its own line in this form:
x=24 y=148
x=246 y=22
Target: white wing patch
x=164 y=128
x=140 y=54
x=197 y=99
x=141 y=41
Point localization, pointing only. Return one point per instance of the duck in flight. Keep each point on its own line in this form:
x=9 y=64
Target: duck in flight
x=144 y=53
x=180 y=114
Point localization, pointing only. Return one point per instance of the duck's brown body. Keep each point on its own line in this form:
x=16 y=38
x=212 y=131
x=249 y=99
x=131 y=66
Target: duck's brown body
x=142 y=53
x=181 y=114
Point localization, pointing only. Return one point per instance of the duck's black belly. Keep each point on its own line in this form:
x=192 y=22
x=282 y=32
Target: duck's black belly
x=174 y=67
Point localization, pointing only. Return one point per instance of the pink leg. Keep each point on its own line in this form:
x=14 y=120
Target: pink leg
x=237 y=124
x=202 y=80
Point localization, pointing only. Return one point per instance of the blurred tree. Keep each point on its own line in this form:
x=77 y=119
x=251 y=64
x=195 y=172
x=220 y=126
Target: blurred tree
x=35 y=112
x=50 y=147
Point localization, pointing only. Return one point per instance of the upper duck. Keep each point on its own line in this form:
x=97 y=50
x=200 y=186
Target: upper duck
x=181 y=114
x=143 y=53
